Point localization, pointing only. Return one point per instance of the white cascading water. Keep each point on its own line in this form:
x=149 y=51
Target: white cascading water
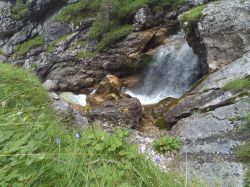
x=174 y=69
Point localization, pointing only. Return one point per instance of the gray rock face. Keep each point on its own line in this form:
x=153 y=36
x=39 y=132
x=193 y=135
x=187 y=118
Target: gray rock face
x=8 y=26
x=225 y=31
x=208 y=95
x=144 y=18
x=210 y=140
x=122 y=113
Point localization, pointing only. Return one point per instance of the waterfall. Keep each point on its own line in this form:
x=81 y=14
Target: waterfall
x=174 y=69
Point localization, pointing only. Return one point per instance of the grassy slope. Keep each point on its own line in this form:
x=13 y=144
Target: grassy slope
x=36 y=150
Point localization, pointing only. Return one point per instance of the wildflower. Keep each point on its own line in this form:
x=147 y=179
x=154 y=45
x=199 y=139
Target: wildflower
x=78 y=135
x=157 y=159
x=142 y=148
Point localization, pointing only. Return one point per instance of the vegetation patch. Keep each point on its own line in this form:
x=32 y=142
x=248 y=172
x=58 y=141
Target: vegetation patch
x=113 y=36
x=25 y=47
x=86 y=54
x=1 y=52
x=19 y=9
x=76 y=12
x=52 y=46
x=239 y=85
x=37 y=150
x=166 y=143
x=193 y=16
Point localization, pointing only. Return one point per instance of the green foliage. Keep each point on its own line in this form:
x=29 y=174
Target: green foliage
x=19 y=9
x=52 y=46
x=238 y=85
x=25 y=47
x=114 y=36
x=174 y=3
x=81 y=43
x=76 y=12
x=193 y=16
x=36 y=150
x=167 y=143
x=86 y=54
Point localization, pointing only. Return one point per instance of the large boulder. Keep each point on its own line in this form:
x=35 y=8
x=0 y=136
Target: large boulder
x=122 y=113
x=223 y=34
x=144 y=18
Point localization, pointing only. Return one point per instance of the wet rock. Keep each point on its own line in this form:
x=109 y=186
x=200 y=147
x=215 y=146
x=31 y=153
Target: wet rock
x=109 y=89
x=122 y=113
x=74 y=117
x=209 y=94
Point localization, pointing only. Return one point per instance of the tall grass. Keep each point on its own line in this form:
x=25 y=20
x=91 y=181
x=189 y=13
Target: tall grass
x=37 y=150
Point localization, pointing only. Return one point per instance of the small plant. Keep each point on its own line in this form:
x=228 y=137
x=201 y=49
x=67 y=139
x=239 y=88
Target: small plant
x=19 y=10
x=166 y=143
x=193 y=16
x=238 y=85
x=86 y=54
x=25 y=47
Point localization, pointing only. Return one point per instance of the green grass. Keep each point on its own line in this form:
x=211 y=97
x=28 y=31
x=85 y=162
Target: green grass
x=238 y=85
x=38 y=150
x=167 y=143
x=86 y=54
x=25 y=47
x=193 y=16
x=1 y=52
x=76 y=12
x=113 y=36
x=19 y=10
x=52 y=46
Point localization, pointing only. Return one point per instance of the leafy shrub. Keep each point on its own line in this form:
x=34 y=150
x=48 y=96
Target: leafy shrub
x=192 y=16
x=19 y=9
x=37 y=150
x=114 y=36
x=166 y=143
x=25 y=47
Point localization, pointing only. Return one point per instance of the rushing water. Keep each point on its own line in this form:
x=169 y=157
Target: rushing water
x=173 y=70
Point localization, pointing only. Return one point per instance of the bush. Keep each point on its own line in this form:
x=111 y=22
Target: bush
x=25 y=47
x=166 y=143
x=193 y=16
x=37 y=150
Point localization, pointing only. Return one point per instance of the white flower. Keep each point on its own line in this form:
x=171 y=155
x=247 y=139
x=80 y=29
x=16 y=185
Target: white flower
x=142 y=148
x=78 y=135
